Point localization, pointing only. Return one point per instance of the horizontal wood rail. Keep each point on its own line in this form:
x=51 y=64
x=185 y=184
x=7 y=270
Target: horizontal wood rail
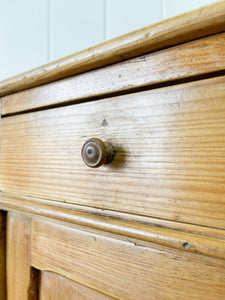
x=191 y=238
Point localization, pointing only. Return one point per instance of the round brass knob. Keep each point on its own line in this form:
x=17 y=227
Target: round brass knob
x=96 y=153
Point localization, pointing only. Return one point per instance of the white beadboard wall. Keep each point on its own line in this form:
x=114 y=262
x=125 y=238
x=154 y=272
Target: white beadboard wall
x=34 y=32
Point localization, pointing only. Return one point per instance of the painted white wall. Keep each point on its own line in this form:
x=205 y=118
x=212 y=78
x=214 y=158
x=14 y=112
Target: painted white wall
x=176 y=7
x=75 y=25
x=123 y=16
x=23 y=35
x=34 y=32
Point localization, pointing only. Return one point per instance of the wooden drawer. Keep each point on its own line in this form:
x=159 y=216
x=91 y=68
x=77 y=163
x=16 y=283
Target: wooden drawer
x=169 y=162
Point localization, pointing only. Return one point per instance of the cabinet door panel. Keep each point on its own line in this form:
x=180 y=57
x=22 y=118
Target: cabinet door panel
x=125 y=269
x=55 y=287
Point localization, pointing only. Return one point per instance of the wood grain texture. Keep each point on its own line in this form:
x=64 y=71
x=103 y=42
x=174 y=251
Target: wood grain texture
x=196 y=58
x=190 y=238
x=18 y=256
x=124 y=269
x=2 y=255
x=55 y=287
x=169 y=159
x=83 y=215
x=189 y=26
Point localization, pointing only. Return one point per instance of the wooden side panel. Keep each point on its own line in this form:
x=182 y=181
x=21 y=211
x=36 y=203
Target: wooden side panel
x=2 y=255
x=184 y=61
x=125 y=269
x=55 y=287
x=169 y=162
x=18 y=256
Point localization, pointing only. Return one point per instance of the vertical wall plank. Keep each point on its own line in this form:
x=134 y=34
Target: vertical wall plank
x=75 y=25
x=23 y=35
x=18 y=255
x=2 y=255
x=127 y=15
x=176 y=7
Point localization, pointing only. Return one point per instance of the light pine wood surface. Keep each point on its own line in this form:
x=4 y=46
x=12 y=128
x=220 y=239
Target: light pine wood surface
x=189 y=26
x=18 y=256
x=2 y=255
x=169 y=159
x=101 y=219
x=190 y=238
x=55 y=287
x=125 y=269
x=149 y=225
x=195 y=59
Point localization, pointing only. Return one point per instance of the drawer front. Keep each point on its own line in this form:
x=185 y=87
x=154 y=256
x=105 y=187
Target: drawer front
x=169 y=161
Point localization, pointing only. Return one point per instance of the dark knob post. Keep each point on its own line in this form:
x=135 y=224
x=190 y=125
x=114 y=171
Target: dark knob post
x=96 y=153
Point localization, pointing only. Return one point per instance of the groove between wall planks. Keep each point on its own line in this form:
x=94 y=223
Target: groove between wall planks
x=125 y=269
x=195 y=239
x=189 y=26
x=169 y=159
x=196 y=58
